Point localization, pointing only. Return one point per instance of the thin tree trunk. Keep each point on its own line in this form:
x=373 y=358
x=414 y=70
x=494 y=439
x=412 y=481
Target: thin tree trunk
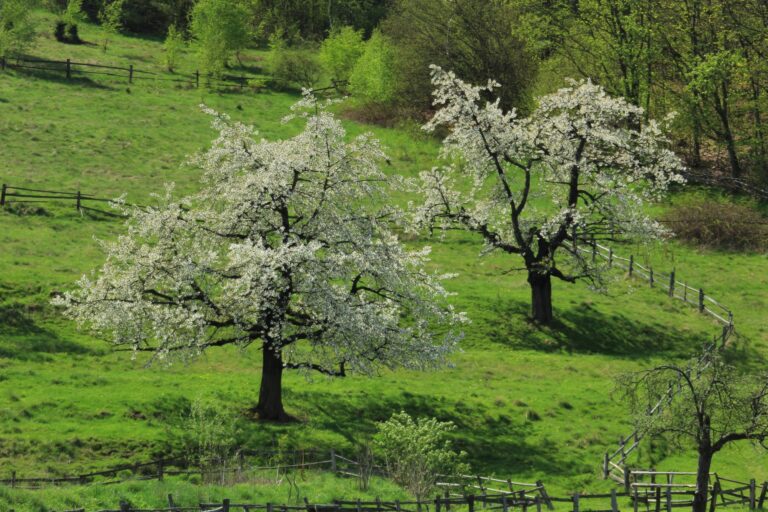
x=270 y=406
x=702 y=480
x=541 y=297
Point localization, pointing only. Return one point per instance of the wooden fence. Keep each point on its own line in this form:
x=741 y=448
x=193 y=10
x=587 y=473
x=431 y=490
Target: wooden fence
x=70 y=69
x=22 y=195
x=656 y=497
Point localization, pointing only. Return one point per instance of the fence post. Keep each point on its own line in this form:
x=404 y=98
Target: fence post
x=2 y=63
x=124 y=506
x=606 y=459
x=225 y=505
x=447 y=500
x=715 y=492
x=2 y=195
x=672 y=283
x=13 y=479
x=471 y=502
x=171 y=504
x=594 y=251
x=333 y=460
x=650 y=276
x=437 y=503
x=576 y=502
x=197 y=78
x=504 y=503
x=701 y=300
x=544 y=495
x=78 y=198
x=69 y=69
x=160 y=470
x=669 y=499
x=130 y=74
x=752 y=494
x=763 y=492
x=614 y=501
x=537 y=501
x=610 y=257
x=631 y=264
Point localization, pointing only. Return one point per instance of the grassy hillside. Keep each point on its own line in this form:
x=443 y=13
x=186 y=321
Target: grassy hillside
x=529 y=402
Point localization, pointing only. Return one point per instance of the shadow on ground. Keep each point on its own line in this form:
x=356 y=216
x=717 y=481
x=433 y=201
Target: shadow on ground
x=23 y=339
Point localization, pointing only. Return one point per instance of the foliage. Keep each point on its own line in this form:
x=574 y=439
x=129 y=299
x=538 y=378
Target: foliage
x=340 y=51
x=719 y=225
x=275 y=249
x=578 y=148
x=293 y=66
x=220 y=29
x=210 y=437
x=373 y=77
x=174 y=45
x=17 y=29
x=111 y=18
x=417 y=451
x=477 y=39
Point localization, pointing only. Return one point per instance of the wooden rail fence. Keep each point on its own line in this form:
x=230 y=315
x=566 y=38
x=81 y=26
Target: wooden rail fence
x=70 y=69
x=22 y=195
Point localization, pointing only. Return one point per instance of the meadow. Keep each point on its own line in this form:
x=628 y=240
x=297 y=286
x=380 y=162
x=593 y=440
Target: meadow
x=529 y=402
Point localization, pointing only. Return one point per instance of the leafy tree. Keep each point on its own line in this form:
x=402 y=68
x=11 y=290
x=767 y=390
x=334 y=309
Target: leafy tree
x=174 y=44
x=293 y=65
x=417 y=451
x=373 y=77
x=111 y=17
x=340 y=51
x=475 y=38
x=713 y=408
x=578 y=147
x=17 y=30
x=221 y=28
x=281 y=249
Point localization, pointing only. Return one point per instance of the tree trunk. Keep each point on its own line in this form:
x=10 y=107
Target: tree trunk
x=702 y=480
x=270 y=406
x=541 y=297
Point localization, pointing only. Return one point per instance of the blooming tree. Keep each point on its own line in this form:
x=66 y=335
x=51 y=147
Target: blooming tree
x=281 y=248
x=580 y=166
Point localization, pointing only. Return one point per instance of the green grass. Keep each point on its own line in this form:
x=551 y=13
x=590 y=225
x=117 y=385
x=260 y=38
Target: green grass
x=529 y=403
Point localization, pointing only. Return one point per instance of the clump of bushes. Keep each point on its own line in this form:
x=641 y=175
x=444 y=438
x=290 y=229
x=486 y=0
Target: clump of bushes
x=293 y=66
x=719 y=225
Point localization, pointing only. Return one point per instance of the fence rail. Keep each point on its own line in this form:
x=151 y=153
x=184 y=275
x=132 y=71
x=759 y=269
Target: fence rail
x=71 y=69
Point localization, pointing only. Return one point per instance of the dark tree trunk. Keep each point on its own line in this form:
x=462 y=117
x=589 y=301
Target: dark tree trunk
x=702 y=480
x=270 y=406
x=541 y=297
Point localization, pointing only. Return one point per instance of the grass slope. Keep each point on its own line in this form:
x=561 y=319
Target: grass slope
x=530 y=403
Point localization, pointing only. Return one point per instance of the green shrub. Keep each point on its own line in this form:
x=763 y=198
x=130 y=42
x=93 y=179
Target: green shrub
x=417 y=451
x=174 y=44
x=220 y=28
x=17 y=30
x=293 y=66
x=340 y=51
x=373 y=77
x=719 y=225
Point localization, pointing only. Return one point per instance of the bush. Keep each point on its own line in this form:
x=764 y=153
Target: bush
x=373 y=77
x=719 y=225
x=17 y=30
x=220 y=28
x=174 y=44
x=340 y=51
x=293 y=66
x=417 y=451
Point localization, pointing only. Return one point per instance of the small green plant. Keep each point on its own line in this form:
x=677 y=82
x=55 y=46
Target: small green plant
x=341 y=51
x=111 y=18
x=416 y=451
x=173 y=46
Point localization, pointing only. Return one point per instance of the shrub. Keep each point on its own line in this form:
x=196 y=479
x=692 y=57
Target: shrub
x=417 y=451
x=340 y=51
x=373 y=77
x=293 y=66
x=17 y=30
x=174 y=44
x=220 y=28
x=719 y=225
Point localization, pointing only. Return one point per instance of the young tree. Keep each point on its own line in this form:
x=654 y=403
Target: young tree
x=340 y=51
x=578 y=149
x=111 y=18
x=417 y=451
x=17 y=30
x=373 y=77
x=174 y=44
x=220 y=28
x=281 y=249
x=716 y=405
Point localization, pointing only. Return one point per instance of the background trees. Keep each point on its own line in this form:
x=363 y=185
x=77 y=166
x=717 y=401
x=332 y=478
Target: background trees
x=576 y=168
x=220 y=28
x=276 y=252
x=16 y=27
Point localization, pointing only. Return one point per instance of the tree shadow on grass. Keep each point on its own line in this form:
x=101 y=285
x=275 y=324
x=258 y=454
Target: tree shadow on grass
x=494 y=443
x=59 y=77
x=23 y=339
x=585 y=329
